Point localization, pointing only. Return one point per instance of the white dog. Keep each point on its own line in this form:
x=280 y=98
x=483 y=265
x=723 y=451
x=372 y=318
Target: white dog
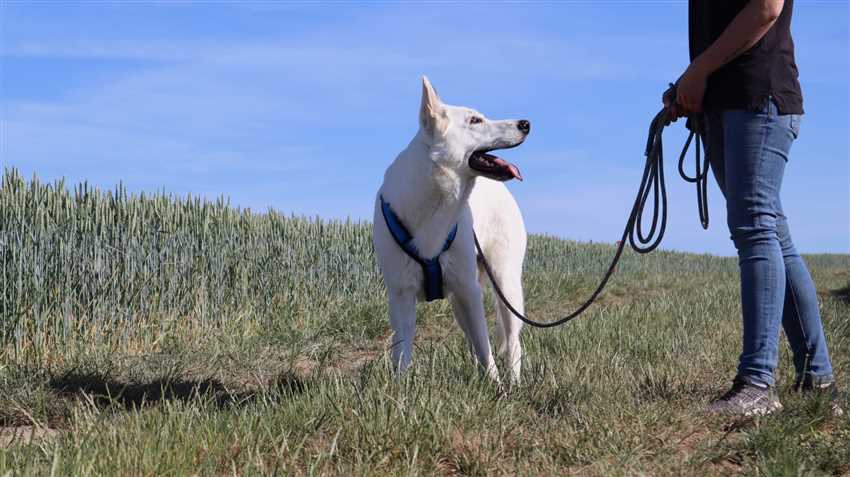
x=438 y=188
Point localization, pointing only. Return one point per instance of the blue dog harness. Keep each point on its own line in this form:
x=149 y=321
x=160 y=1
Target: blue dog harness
x=430 y=266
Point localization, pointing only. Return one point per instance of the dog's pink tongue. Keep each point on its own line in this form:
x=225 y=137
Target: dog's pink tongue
x=512 y=169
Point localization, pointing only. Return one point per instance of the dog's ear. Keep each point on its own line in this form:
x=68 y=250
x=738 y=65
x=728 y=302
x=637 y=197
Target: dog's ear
x=432 y=113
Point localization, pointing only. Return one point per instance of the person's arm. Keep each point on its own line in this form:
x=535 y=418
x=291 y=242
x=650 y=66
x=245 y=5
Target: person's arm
x=745 y=30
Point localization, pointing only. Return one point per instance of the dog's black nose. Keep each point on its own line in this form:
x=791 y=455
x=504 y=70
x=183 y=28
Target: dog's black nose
x=523 y=125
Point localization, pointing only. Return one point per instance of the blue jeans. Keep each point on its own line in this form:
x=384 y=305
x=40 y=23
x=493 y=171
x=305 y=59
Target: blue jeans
x=747 y=151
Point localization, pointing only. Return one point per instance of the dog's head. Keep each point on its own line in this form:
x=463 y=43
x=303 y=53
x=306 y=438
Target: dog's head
x=462 y=138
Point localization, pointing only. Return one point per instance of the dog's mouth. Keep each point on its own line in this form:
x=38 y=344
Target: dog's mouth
x=493 y=167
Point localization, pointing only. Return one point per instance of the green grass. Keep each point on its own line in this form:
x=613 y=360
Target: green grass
x=160 y=335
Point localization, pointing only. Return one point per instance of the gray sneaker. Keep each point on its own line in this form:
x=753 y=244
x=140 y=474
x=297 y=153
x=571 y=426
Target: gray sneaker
x=824 y=389
x=745 y=399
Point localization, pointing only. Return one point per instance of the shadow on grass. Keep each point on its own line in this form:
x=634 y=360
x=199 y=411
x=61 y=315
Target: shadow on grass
x=104 y=391
x=843 y=294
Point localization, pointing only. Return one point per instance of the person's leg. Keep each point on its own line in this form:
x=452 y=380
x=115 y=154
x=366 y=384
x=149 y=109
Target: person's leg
x=756 y=146
x=800 y=315
x=744 y=397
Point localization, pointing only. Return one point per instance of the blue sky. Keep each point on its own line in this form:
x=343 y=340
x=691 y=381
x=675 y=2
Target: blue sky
x=300 y=106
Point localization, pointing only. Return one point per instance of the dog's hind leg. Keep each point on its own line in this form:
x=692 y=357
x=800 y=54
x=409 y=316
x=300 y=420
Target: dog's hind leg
x=468 y=309
x=511 y=348
x=403 y=321
x=498 y=329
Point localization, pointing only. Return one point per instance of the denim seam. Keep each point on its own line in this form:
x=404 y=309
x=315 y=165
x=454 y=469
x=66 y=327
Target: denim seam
x=768 y=124
x=795 y=302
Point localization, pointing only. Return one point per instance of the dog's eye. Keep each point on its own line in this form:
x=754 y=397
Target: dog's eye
x=475 y=120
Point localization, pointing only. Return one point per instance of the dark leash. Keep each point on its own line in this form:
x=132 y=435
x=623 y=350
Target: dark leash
x=651 y=183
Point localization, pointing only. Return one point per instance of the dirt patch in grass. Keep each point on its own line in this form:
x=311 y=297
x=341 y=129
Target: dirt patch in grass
x=25 y=435
x=352 y=360
x=463 y=457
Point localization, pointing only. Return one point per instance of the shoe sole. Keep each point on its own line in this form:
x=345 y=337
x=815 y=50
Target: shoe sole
x=764 y=411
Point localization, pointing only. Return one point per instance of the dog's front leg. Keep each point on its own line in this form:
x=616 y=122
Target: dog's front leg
x=403 y=321
x=468 y=309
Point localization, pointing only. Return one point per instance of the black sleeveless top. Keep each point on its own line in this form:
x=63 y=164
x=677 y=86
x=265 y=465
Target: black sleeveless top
x=766 y=70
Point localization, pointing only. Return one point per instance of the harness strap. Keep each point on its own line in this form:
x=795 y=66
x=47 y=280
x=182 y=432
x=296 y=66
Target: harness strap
x=431 y=268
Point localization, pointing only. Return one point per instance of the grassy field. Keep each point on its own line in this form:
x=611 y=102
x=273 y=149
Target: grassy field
x=153 y=335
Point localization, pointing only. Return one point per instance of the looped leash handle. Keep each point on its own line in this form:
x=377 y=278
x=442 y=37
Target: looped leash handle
x=696 y=124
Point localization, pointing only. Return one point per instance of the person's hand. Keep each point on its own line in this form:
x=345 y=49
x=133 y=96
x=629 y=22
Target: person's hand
x=691 y=90
x=669 y=100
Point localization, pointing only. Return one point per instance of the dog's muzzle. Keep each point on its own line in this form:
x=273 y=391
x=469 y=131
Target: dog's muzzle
x=494 y=167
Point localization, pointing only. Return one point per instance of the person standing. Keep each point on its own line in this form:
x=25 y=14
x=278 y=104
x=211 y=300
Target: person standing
x=743 y=80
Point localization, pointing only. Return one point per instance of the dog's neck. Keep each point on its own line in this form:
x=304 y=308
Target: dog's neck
x=426 y=196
